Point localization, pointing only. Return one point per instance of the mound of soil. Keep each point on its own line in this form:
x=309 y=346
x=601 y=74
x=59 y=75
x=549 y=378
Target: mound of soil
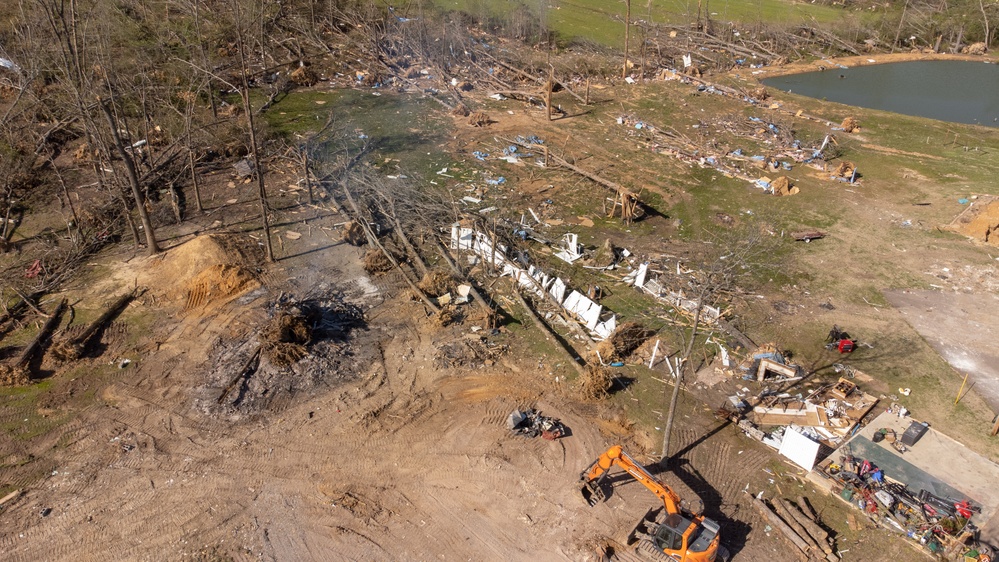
x=218 y=284
x=980 y=222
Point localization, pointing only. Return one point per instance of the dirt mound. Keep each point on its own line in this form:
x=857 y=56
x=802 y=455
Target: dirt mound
x=980 y=222
x=353 y=234
x=850 y=125
x=217 y=284
x=375 y=261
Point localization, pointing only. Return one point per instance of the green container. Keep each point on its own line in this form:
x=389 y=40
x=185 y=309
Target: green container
x=847 y=494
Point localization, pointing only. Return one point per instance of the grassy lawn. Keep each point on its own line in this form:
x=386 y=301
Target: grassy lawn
x=602 y=22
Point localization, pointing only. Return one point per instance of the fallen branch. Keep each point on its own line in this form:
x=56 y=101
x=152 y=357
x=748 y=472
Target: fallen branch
x=373 y=240
x=74 y=348
x=248 y=368
x=24 y=360
x=779 y=524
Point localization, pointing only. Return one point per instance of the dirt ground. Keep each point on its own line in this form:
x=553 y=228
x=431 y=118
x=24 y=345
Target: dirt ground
x=374 y=448
x=393 y=458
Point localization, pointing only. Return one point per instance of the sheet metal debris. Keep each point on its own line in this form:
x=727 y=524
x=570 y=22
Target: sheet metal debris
x=531 y=423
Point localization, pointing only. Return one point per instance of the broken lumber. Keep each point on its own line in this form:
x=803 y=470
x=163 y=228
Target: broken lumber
x=779 y=524
x=490 y=313
x=740 y=337
x=784 y=514
x=248 y=368
x=819 y=535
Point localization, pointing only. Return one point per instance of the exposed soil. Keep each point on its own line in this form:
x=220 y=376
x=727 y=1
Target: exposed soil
x=387 y=452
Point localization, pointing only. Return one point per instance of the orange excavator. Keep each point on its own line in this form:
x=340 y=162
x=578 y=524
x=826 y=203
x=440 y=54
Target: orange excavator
x=673 y=534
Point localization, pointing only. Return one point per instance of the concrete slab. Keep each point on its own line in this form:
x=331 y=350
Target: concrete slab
x=936 y=462
x=963 y=328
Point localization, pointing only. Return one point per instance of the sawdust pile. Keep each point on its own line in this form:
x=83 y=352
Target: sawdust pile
x=595 y=384
x=353 y=234
x=980 y=222
x=782 y=186
x=437 y=282
x=625 y=339
x=375 y=261
x=850 y=125
x=14 y=376
x=217 y=284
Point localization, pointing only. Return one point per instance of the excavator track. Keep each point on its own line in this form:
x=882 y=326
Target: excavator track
x=647 y=550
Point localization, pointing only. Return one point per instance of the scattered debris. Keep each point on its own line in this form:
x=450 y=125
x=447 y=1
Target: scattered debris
x=531 y=423
x=353 y=234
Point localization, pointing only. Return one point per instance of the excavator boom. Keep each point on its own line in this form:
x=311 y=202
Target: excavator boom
x=595 y=475
x=675 y=534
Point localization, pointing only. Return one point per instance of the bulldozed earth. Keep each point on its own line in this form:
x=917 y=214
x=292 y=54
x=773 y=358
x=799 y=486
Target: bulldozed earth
x=350 y=399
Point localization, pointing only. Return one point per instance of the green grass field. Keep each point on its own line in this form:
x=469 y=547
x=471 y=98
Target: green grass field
x=602 y=22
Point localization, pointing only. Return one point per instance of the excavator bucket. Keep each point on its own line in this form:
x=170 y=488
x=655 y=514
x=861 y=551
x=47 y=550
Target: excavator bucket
x=645 y=527
x=593 y=493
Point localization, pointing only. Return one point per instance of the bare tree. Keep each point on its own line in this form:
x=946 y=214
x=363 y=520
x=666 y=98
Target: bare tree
x=746 y=252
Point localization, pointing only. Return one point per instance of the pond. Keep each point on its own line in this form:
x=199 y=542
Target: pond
x=956 y=91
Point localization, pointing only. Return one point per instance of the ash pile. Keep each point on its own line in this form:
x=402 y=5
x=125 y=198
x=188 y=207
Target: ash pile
x=305 y=344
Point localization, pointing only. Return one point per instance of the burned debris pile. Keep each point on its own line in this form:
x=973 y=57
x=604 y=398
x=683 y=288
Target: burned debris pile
x=306 y=343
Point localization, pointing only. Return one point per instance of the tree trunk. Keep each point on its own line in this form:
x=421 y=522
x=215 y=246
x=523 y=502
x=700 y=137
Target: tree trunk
x=684 y=361
x=245 y=95
x=133 y=180
x=627 y=29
